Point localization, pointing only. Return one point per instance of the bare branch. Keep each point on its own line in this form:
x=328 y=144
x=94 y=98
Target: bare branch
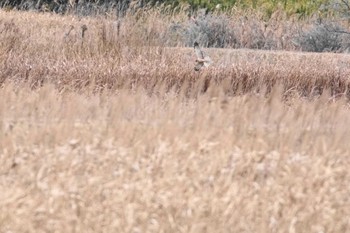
x=346 y=3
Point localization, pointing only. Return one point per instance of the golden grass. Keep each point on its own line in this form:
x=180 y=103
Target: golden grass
x=119 y=137
x=36 y=49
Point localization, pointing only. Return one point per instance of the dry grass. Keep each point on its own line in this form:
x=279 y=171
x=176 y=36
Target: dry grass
x=107 y=135
x=37 y=49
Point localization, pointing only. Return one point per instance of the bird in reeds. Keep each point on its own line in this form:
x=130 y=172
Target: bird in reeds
x=202 y=60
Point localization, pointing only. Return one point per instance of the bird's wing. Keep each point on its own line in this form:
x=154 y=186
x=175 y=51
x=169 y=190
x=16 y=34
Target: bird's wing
x=207 y=61
x=200 y=54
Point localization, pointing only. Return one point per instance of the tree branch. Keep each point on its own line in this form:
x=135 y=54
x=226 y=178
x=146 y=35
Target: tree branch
x=346 y=3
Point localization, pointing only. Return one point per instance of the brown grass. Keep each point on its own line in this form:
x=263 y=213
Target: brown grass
x=109 y=135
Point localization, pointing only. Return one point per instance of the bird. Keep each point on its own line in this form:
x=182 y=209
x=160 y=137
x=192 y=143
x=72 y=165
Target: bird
x=202 y=58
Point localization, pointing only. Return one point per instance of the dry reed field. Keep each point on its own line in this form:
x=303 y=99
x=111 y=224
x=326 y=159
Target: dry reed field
x=109 y=132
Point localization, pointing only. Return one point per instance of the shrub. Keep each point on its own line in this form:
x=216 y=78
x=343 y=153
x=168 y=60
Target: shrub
x=209 y=30
x=234 y=31
x=322 y=37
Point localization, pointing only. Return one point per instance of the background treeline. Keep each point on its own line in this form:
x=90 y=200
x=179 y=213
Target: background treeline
x=301 y=7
